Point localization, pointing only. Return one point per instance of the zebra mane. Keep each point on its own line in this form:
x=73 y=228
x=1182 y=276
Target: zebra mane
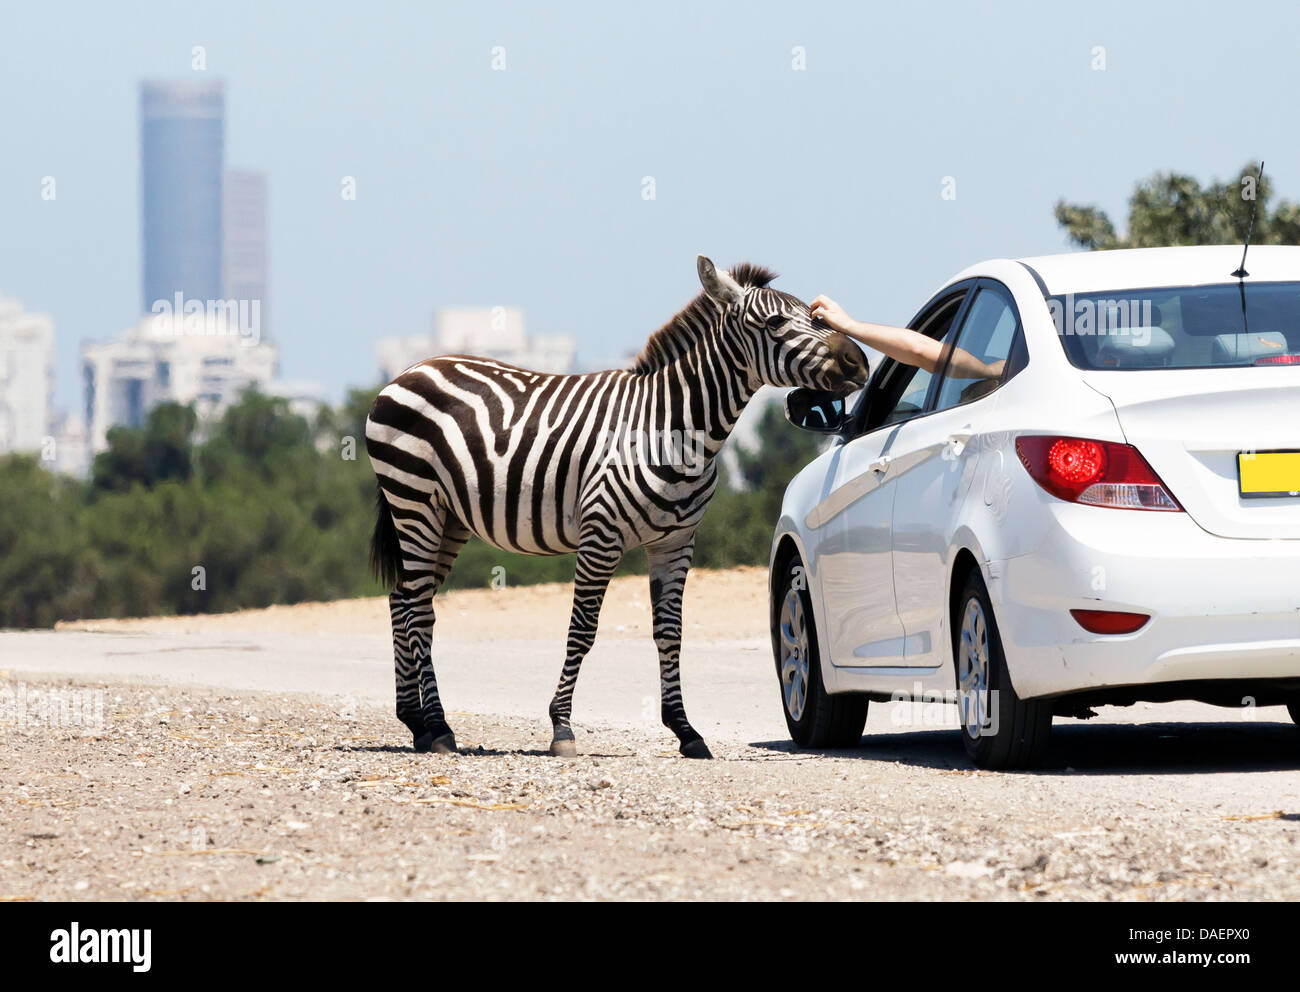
x=676 y=337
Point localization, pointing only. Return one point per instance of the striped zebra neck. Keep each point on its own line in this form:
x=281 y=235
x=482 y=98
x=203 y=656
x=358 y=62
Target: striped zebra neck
x=704 y=390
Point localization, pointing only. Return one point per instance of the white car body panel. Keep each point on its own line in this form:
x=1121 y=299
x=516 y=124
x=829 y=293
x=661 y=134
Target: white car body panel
x=1220 y=581
x=1138 y=268
x=853 y=559
x=1191 y=423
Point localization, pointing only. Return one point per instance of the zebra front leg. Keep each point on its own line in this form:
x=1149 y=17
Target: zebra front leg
x=596 y=563
x=668 y=568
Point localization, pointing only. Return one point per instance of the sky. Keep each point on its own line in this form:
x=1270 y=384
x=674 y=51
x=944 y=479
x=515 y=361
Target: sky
x=526 y=186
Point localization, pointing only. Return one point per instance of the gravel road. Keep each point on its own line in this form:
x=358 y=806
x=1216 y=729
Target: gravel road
x=179 y=785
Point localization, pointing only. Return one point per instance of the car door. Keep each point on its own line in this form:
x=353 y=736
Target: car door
x=855 y=555
x=934 y=460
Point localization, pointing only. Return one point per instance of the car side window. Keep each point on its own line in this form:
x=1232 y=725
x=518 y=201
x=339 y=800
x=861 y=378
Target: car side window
x=977 y=361
x=911 y=400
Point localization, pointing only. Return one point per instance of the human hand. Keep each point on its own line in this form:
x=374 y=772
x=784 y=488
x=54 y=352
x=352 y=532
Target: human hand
x=831 y=313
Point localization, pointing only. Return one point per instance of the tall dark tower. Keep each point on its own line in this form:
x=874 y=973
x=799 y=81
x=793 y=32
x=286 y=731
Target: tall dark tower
x=243 y=230
x=182 y=143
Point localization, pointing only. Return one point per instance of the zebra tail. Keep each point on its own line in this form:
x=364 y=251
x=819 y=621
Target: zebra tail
x=385 y=555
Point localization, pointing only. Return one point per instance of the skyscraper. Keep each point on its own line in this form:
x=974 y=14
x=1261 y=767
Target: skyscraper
x=182 y=141
x=243 y=227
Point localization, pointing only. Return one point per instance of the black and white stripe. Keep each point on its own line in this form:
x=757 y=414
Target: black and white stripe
x=595 y=464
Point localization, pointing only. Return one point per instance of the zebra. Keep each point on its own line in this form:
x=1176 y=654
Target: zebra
x=539 y=463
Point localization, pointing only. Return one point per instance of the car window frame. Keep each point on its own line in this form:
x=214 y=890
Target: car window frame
x=1018 y=348
x=943 y=298
x=969 y=288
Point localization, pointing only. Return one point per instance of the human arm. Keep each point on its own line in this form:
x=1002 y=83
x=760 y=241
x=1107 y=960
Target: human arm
x=903 y=344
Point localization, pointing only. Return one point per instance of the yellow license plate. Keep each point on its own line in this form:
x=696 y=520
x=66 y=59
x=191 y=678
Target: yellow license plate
x=1269 y=473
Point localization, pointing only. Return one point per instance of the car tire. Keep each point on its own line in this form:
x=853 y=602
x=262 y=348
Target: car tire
x=998 y=728
x=815 y=717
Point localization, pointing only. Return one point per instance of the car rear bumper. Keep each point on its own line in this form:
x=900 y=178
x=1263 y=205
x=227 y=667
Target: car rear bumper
x=1220 y=608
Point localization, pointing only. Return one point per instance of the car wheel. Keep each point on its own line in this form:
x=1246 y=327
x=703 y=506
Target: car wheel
x=816 y=718
x=998 y=728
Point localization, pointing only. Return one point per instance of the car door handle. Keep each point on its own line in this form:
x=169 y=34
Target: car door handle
x=958 y=439
x=881 y=465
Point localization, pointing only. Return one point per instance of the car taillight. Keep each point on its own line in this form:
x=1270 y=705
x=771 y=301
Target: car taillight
x=1099 y=473
x=1278 y=360
x=1109 y=621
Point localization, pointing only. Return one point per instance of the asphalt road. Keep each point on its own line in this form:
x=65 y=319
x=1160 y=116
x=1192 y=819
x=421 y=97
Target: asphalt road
x=485 y=666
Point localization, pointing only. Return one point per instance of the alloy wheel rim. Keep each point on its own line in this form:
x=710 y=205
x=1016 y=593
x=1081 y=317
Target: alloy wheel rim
x=794 y=655
x=973 y=670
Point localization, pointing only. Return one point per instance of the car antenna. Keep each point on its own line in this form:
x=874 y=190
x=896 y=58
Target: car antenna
x=1241 y=272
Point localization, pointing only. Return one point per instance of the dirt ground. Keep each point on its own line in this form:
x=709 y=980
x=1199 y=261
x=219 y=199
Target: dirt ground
x=181 y=791
x=194 y=794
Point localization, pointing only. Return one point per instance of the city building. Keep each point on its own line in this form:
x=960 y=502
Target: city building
x=70 y=453
x=26 y=377
x=395 y=355
x=305 y=398
x=182 y=141
x=243 y=231
x=198 y=358
x=202 y=339
x=490 y=332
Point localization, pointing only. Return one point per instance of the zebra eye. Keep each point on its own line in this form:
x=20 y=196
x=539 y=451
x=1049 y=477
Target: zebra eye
x=775 y=321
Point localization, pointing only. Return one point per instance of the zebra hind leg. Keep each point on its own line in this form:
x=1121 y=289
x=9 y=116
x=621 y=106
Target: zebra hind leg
x=408 y=608
x=668 y=568
x=419 y=706
x=597 y=559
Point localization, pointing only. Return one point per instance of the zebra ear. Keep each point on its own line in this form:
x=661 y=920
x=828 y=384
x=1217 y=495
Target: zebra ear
x=719 y=285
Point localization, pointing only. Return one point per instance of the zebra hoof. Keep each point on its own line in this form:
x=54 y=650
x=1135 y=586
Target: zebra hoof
x=564 y=749
x=424 y=743
x=446 y=744
x=696 y=749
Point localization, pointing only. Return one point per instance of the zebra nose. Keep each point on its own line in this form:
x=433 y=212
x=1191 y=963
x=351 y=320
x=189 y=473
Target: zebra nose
x=850 y=361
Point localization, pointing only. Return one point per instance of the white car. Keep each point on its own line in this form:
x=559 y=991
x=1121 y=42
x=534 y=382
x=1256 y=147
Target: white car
x=1108 y=512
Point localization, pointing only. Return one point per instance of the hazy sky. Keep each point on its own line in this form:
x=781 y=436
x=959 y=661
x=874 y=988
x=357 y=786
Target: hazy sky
x=524 y=186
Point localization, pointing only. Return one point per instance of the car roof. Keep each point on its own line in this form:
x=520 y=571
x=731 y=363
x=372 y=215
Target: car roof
x=1138 y=268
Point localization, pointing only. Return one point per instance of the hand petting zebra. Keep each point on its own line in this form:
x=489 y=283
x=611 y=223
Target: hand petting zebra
x=596 y=464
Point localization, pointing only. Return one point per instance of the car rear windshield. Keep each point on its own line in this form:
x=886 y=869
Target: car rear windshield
x=1188 y=327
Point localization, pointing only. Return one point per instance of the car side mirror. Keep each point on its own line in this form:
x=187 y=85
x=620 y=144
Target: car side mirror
x=815 y=410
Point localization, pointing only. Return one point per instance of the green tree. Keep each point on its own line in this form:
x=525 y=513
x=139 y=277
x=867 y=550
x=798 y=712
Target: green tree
x=259 y=434
x=1169 y=208
x=737 y=527
x=348 y=420
x=782 y=451
x=47 y=572
x=161 y=450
